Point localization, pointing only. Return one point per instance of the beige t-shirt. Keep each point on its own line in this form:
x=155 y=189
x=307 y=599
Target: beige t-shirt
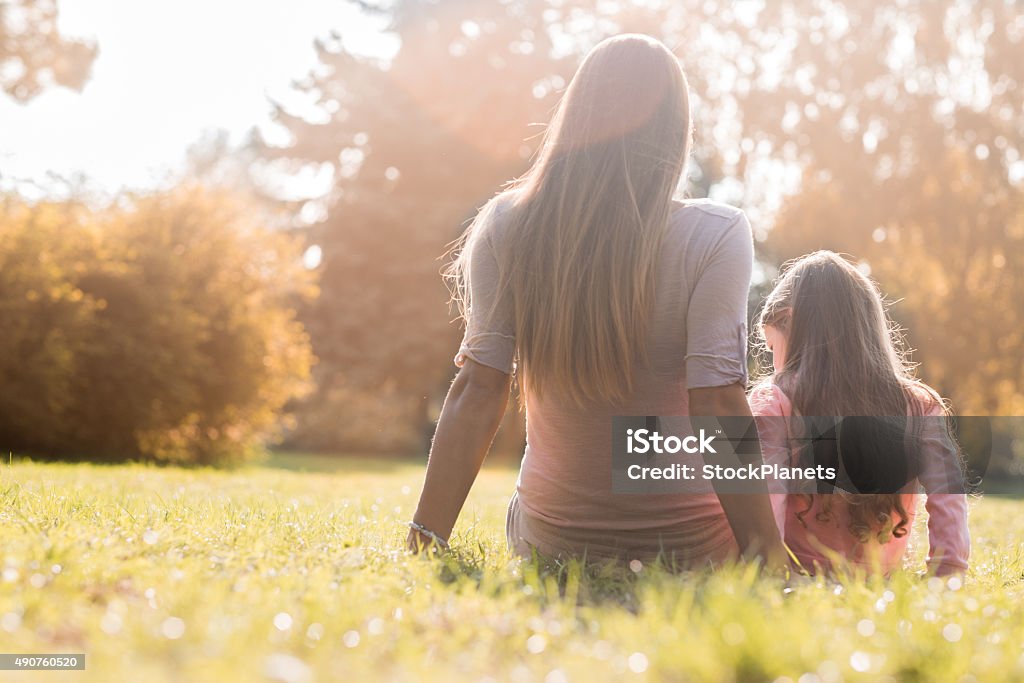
x=698 y=338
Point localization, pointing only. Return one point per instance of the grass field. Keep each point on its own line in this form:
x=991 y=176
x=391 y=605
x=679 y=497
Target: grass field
x=281 y=574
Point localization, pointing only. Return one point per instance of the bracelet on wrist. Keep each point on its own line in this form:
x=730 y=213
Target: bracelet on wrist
x=424 y=531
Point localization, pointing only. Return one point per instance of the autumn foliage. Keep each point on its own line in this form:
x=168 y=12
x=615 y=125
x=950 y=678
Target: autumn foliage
x=161 y=327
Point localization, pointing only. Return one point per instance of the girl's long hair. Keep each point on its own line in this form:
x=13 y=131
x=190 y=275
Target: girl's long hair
x=585 y=223
x=844 y=357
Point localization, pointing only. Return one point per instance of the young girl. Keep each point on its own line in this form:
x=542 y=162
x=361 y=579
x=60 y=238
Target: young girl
x=834 y=355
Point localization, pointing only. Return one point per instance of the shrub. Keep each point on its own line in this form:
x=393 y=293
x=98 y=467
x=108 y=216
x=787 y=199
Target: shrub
x=161 y=327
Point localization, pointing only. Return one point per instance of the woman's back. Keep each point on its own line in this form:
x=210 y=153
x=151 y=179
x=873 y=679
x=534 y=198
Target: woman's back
x=697 y=338
x=614 y=300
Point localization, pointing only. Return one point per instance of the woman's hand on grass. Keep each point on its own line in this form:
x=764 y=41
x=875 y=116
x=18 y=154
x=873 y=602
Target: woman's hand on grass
x=469 y=419
x=416 y=542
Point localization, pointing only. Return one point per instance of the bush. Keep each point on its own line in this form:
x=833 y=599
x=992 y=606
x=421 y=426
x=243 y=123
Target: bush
x=161 y=328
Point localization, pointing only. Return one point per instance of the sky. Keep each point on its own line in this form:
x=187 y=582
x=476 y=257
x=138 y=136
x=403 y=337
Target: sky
x=166 y=73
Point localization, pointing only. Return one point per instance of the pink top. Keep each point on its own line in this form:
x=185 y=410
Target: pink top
x=698 y=338
x=813 y=540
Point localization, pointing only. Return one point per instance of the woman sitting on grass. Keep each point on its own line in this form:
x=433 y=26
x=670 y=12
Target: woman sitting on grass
x=613 y=299
x=834 y=354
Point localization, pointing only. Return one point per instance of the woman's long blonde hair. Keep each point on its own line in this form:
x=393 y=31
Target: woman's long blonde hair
x=585 y=223
x=844 y=357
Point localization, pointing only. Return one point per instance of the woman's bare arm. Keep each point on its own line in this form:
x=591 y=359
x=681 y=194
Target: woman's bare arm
x=470 y=417
x=750 y=515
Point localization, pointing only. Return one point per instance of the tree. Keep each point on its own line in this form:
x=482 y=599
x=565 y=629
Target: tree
x=416 y=144
x=33 y=54
x=850 y=124
x=905 y=119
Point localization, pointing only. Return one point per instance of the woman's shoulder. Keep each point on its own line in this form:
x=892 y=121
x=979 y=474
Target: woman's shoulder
x=702 y=221
x=493 y=218
x=707 y=211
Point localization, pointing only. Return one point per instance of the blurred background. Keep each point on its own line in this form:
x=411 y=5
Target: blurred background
x=221 y=223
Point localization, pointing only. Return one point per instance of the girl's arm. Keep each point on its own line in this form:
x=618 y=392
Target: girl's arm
x=472 y=412
x=949 y=540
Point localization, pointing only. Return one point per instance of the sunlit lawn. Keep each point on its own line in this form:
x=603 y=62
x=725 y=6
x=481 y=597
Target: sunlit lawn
x=290 y=575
